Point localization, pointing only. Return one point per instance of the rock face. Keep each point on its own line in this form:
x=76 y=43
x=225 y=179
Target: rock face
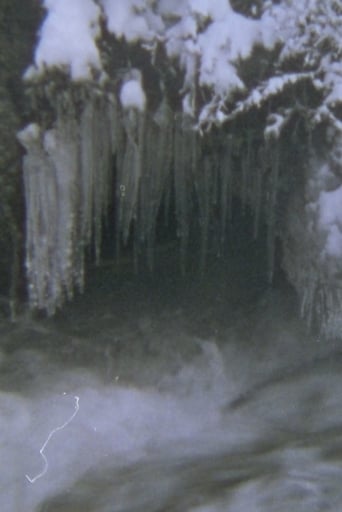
x=148 y=117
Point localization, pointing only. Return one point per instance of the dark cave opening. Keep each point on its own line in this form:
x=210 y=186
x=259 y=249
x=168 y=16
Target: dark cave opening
x=238 y=263
x=238 y=237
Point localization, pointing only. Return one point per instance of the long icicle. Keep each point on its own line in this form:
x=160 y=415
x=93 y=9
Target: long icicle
x=183 y=150
x=129 y=173
x=225 y=170
x=272 y=204
x=258 y=191
x=66 y=176
x=206 y=180
x=102 y=149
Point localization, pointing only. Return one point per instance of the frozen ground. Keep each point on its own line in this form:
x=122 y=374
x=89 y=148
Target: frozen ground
x=171 y=395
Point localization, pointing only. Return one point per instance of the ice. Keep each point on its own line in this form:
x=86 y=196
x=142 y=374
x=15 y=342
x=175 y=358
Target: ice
x=67 y=172
x=133 y=19
x=132 y=94
x=257 y=191
x=271 y=215
x=330 y=219
x=185 y=160
x=203 y=185
x=216 y=9
x=67 y=37
x=226 y=175
x=221 y=44
x=129 y=175
x=68 y=178
x=219 y=38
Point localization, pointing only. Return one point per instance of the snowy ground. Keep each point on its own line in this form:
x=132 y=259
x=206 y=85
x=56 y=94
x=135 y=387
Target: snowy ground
x=170 y=395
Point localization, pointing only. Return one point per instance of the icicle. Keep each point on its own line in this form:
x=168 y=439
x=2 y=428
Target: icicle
x=272 y=203
x=144 y=220
x=164 y=150
x=204 y=185
x=136 y=248
x=51 y=169
x=184 y=142
x=152 y=171
x=332 y=322
x=307 y=303
x=39 y=191
x=246 y=170
x=62 y=146
x=260 y=170
x=164 y=119
x=156 y=162
x=225 y=170
x=87 y=162
x=167 y=201
x=102 y=150
x=129 y=173
x=66 y=174
x=114 y=121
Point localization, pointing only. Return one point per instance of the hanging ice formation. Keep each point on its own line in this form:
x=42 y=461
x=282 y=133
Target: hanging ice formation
x=87 y=129
x=66 y=176
x=185 y=162
x=157 y=146
x=272 y=209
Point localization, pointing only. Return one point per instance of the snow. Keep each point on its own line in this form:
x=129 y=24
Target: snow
x=66 y=174
x=274 y=126
x=214 y=9
x=330 y=219
x=67 y=37
x=69 y=32
x=179 y=34
x=271 y=87
x=132 y=95
x=124 y=21
x=206 y=33
x=219 y=46
x=134 y=20
x=174 y=8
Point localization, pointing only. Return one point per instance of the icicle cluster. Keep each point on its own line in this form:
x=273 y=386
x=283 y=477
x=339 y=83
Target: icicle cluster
x=68 y=172
x=66 y=176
